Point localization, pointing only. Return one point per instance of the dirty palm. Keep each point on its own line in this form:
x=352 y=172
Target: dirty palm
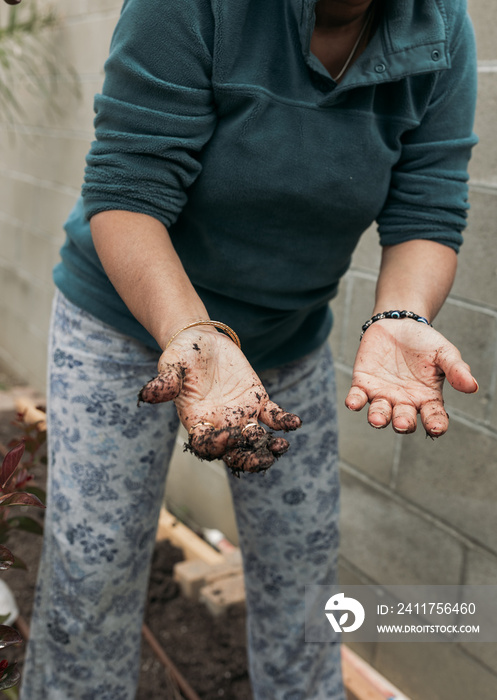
x=220 y=402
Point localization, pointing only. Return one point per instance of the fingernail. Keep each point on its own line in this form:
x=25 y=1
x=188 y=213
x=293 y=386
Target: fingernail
x=401 y=430
x=436 y=431
x=477 y=385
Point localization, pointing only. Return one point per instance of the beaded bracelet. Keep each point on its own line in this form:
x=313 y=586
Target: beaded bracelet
x=394 y=314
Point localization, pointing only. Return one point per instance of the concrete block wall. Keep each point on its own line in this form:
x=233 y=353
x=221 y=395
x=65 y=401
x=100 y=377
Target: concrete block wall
x=41 y=168
x=417 y=511
x=414 y=510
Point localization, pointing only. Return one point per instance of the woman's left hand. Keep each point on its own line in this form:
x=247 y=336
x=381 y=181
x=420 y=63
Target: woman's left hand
x=400 y=369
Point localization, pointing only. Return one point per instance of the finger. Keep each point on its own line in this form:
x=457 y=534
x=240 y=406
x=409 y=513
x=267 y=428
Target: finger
x=379 y=413
x=434 y=418
x=164 y=387
x=356 y=399
x=457 y=371
x=278 y=446
x=241 y=459
x=256 y=438
x=404 y=418
x=209 y=442
x=278 y=419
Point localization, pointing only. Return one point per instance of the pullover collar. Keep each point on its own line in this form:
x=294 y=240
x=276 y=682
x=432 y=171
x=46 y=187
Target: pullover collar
x=411 y=39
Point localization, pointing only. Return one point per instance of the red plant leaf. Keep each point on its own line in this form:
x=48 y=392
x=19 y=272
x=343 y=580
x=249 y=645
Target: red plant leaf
x=8 y=636
x=10 y=464
x=20 y=499
x=6 y=558
x=38 y=492
x=10 y=677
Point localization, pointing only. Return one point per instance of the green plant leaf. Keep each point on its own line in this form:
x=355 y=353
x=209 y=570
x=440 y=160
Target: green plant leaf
x=25 y=523
x=11 y=677
x=9 y=636
x=10 y=464
x=21 y=498
x=7 y=559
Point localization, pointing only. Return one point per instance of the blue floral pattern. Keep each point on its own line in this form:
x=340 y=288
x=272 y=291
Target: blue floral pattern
x=108 y=463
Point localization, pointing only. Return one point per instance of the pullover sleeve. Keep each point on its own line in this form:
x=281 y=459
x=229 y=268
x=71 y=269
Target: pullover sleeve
x=428 y=196
x=156 y=110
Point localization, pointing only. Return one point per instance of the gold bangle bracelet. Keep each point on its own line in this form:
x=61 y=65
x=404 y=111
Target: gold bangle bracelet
x=217 y=324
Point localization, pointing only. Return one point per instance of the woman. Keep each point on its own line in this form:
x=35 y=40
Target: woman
x=241 y=150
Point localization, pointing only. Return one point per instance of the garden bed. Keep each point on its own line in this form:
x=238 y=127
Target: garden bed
x=210 y=653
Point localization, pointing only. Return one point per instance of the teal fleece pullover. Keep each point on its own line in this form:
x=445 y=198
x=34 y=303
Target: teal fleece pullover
x=216 y=119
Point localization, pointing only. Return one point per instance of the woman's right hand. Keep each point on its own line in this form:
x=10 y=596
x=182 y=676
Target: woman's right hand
x=217 y=395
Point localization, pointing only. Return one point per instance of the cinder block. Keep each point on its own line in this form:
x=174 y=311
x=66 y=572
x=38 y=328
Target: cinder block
x=483 y=164
x=51 y=208
x=474 y=333
x=481 y=570
x=86 y=43
x=392 y=545
x=195 y=574
x=339 y=310
x=435 y=672
x=371 y=451
x=72 y=9
x=484 y=16
x=36 y=259
x=53 y=156
x=476 y=279
x=493 y=414
x=221 y=595
x=8 y=286
x=367 y=255
x=16 y=199
x=97 y=6
x=454 y=478
x=190 y=576
x=361 y=307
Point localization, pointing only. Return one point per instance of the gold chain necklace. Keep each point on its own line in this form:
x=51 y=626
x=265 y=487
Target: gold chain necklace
x=356 y=45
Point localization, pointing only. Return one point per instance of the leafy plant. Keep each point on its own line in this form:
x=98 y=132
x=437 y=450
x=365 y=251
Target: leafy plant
x=29 y=57
x=14 y=481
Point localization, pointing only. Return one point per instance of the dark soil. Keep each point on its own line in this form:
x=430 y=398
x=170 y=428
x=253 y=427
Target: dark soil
x=210 y=653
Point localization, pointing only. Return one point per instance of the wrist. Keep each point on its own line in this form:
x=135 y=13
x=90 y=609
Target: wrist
x=396 y=315
x=418 y=307
x=206 y=326
x=170 y=328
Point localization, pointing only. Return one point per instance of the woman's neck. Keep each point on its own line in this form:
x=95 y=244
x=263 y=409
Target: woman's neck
x=340 y=13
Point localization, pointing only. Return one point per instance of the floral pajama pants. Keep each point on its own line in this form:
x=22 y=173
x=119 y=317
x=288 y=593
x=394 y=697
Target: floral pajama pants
x=108 y=464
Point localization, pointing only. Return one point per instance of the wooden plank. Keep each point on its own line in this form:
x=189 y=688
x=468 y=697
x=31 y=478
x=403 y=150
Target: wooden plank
x=356 y=685
x=193 y=546
x=31 y=414
x=221 y=595
x=374 y=681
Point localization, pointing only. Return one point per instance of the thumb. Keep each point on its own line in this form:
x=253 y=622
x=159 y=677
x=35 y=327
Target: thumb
x=457 y=371
x=165 y=386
